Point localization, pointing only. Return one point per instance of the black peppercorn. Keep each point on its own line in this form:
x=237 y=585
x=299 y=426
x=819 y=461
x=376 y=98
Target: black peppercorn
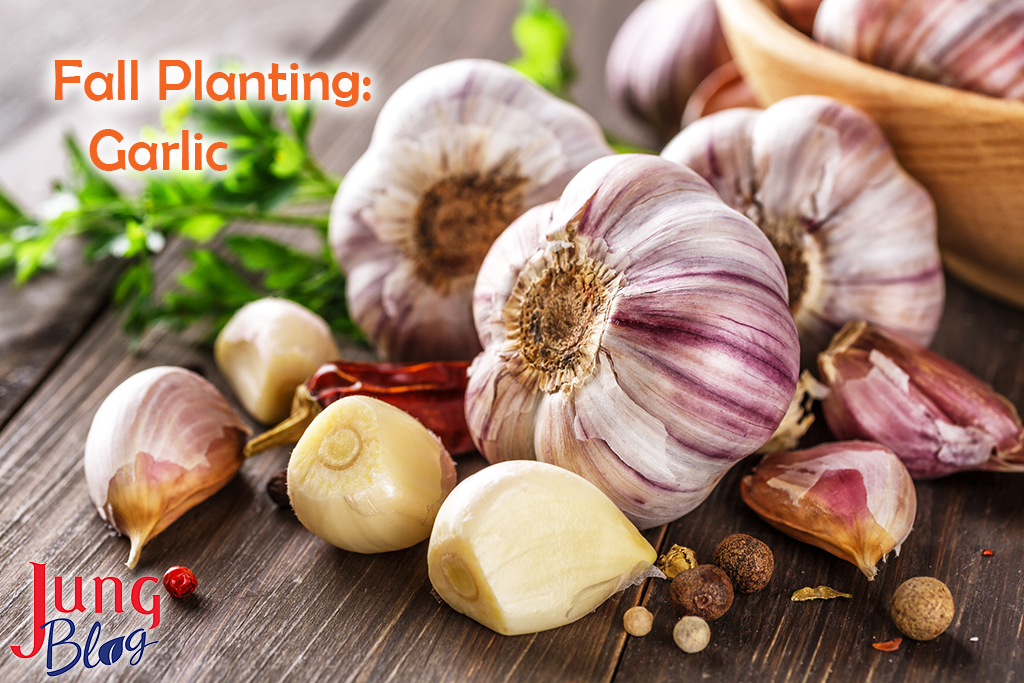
x=277 y=489
x=704 y=591
x=748 y=562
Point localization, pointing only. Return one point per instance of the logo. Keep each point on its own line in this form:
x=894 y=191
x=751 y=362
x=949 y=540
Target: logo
x=63 y=652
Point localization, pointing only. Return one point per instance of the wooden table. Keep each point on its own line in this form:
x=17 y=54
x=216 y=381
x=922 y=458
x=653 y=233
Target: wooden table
x=275 y=603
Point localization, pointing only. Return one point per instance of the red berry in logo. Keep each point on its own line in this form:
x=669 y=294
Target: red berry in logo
x=180 y=582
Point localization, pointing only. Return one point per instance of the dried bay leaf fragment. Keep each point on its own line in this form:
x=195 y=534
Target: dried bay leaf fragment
x=818 y=593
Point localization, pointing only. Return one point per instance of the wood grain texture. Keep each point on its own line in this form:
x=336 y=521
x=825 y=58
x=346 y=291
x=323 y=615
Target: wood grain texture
x=967 y=149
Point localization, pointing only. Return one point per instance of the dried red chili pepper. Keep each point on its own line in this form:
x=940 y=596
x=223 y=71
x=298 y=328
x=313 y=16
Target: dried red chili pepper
x=987 y=553
x=433 y=393
x=888 y=646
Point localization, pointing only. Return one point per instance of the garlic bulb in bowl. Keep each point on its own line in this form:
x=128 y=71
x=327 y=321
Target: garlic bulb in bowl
x=635 y=332
x=458 y=152
x=856 y=233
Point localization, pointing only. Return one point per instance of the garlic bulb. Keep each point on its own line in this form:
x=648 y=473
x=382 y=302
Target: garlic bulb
x=635 y=332
x=854 y=231
x=367 y=477
x=267 y=349
x=937 y=417
x=975 y=45
x=660 y=55
x=523 y=547
x=162 y=442
x=458 y=152
x=854 y=499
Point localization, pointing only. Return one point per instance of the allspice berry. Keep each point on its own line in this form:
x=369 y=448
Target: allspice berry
x=637 y=621
x=691 y=634
x=704 y=591
x=748 y=562
x=922 y=608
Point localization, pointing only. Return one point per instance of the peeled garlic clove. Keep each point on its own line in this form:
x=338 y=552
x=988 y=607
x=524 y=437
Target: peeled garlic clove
x=854 y=499
x=660 y=55
x=458 y=152
x=368 y=477
x=267 y=349
x=162 y=442
x=856 y=234
x=523 y=547
x=635 y=332
x=937 y=417
x=968 y=44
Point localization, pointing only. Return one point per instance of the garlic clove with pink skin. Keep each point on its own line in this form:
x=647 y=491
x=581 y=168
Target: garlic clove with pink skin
x=458 y=152
x=975 y=45
x=162 y=442
x=267 y=349
x=663 y=51
x=856 y=234
x=635 y=332
x=935 y=415
x=853 y=499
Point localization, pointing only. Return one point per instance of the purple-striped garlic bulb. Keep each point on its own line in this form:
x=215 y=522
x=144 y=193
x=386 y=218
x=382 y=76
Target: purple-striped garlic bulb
x=636 y=332
x=855 y=232
x=162 y=442
x=459 y=152
x=975 y=45
x=661 y=54
x=935 y=415
x=854 y=499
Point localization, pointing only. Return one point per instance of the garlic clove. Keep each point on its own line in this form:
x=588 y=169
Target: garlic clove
x=853 y=499
x=161 y=443
x=523 y=547
x=368 y=477
x=856 y=234
x=935 y=415
x=458 y=152
x=661 y=54
x=267 y=349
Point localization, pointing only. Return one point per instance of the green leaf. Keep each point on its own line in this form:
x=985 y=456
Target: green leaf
x=10 y=215
x=202 y=227
x=300 y=116
x=90 y=185
x=543 y=37
x=288 y=157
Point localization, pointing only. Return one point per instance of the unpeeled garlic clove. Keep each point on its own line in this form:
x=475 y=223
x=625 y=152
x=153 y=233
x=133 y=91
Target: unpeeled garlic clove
x=856 y=234
x=267 y=349
x=935 y=415
x=368 y=477
x=161 y=443
x=854 y=499
x=663 y=51
x=525 y=546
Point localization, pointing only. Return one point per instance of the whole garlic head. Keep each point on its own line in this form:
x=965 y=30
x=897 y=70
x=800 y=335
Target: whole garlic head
x=458 y=152
x=975 y=45
x=267 y=349
x=635 y=332
x=856 y=234
x=162 y=442
x=661 y=54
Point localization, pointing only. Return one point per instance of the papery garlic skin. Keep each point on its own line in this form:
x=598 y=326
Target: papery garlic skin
x=975 y=45
x=523 y=547
x=161 y=443
x=458 y=152
x=367 y=477
x=854 y=499
x=635 y=332
x=661 y=54
x=267 y=349
x=935 y=415
x=856 y=233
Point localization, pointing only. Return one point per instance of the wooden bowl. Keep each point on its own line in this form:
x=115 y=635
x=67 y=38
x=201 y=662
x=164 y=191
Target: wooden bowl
x=967 y=149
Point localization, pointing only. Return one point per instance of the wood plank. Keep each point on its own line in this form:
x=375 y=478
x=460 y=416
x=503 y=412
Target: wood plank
x=766 y=637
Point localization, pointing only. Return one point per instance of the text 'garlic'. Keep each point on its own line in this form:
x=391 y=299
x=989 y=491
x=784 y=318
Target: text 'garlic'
x=635 y=332
x=935 y=415
x=856 y=234
x=368 y=477
x=523 y=547
x=162 y=442
x=267 y=349
x=458 y=152
x=854 y=499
